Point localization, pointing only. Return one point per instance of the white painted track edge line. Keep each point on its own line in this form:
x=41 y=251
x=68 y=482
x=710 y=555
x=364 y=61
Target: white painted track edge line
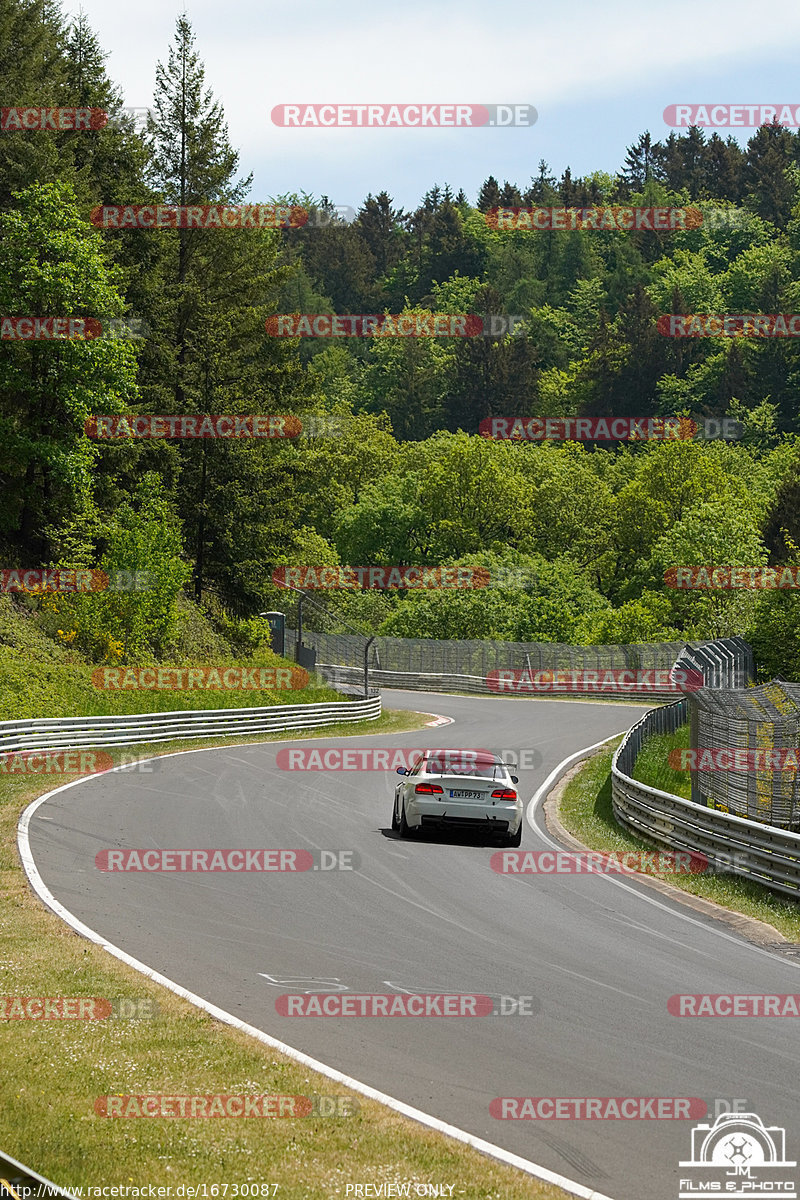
x=406 y=1110
x=559 y=770
x=676 y=907
x=54 y=1188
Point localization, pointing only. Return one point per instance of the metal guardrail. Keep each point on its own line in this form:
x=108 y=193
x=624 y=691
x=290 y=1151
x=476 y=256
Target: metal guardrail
x=762 y=718
x=419 y=681
x=15 y=1178
x=725 y=663
x=127 y=730
x=763 y=853
x=430 y=664
x=477 y=658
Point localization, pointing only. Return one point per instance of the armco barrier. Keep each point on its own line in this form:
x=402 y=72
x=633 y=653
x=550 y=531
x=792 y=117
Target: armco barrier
x=27 y=1182
x=760 y=852
x=418 y=681
x=476 y=659
x=760 y=718
x=430 y=664
x=725 y=663
x=59 y=732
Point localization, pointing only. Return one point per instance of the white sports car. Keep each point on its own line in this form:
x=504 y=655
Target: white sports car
x=459 y=789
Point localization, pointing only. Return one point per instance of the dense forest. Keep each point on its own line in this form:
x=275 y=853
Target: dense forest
x=577 y=537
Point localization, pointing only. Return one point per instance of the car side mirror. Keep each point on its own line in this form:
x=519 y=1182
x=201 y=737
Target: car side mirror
x=402 y=771
x=515 y=779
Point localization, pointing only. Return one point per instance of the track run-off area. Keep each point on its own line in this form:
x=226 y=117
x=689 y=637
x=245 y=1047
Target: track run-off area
x=596 y=957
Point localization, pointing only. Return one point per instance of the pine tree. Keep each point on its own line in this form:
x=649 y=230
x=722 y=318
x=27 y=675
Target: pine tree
x=642 y=163
x=52 y=265
x=673 y=165
x=567 y=189
x=584 y=193
x=340 y=265
x=109 y=162
x=447 y=250
x=33 y=73
x=724 y=168
x=769 y=154
x=543 y=188
x=510 y=196
x=192 y=161
x=212 y=350
x=380 y=225
x=489 y=195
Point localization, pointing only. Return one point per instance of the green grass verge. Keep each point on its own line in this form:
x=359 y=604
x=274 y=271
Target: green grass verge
x=65 y=689
x=42 y=677
x=52 y=1071
x=549 y=698
x=652 y=765
x=585 y=809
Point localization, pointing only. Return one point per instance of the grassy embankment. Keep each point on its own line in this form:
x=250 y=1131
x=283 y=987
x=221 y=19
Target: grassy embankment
x=586 y=811
x=53 y=1070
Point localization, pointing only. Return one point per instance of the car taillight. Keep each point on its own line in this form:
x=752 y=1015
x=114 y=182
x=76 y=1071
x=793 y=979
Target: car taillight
x=504 y=794
x=428 y=789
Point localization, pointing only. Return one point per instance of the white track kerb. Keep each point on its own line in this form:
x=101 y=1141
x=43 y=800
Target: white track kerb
x=535 y=806
x=414 y=1114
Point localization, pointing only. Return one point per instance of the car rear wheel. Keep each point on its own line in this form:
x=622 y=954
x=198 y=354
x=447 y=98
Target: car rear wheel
x=404 y=827
x=395 y=822
x=515 y=839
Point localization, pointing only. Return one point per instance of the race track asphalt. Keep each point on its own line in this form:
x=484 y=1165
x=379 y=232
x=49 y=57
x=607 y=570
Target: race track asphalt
x=598 y=956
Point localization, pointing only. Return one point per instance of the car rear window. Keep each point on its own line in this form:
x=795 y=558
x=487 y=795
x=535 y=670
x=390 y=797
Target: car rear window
x=463 y=764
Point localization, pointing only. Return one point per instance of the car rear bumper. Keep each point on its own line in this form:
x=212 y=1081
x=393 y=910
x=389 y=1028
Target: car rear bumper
x=495 y=827
x=501 y=817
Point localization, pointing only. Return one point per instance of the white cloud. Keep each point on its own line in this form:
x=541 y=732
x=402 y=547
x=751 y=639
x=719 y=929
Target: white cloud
x=556 y=58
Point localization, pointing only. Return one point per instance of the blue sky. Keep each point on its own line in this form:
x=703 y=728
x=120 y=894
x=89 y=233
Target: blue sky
x=599 y=74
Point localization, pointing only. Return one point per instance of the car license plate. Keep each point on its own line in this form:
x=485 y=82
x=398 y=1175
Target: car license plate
x=460 y=794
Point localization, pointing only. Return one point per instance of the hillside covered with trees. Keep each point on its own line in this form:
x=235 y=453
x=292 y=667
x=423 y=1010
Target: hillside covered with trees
x=577 y=536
